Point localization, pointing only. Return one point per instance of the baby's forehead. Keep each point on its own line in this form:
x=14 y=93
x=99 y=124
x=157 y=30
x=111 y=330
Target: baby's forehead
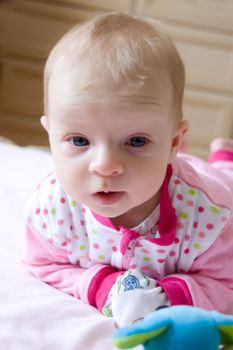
x=73 y=83
x=102 y=112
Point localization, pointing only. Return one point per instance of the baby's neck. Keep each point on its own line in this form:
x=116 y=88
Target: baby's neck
x=136 y=215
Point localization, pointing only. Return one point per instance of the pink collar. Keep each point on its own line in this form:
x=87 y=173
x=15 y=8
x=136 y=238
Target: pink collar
x=167 y=220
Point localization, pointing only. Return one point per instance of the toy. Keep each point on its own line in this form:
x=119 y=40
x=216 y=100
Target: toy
x=180 y=328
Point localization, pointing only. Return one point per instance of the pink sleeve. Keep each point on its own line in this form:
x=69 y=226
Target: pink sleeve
x=209 y=282
x=51 y=265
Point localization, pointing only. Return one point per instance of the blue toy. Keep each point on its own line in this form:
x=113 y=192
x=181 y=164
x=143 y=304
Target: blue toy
x=180 y=328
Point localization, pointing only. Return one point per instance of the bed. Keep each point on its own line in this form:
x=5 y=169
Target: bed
x=34 y=315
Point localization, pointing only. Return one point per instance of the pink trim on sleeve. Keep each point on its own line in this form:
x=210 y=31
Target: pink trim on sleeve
x=96 y=283
x=176 y=290
x=105 y=288
x=86 y=280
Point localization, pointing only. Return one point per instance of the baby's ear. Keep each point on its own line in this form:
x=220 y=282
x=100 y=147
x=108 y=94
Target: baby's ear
x=178 y=137
x=44 y=122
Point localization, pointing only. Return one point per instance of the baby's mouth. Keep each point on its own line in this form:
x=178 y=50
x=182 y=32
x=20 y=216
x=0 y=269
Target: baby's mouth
x=107 y=197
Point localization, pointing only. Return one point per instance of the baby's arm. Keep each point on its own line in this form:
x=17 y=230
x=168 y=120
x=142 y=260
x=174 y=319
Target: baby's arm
x=57 y=245
x=209 y=281
x=207 y=284
x=51 y=265
x=101 y=286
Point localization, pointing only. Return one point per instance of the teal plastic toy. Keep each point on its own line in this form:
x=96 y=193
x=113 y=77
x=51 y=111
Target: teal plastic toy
x=180 y=328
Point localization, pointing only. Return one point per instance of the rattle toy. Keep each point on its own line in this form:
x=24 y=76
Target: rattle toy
x=180 y=328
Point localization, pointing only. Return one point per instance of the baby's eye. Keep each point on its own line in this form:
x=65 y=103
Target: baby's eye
x=78 y=141
x=137 y=141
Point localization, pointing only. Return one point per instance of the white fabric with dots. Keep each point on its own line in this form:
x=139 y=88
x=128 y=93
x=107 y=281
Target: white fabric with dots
x=70 y=226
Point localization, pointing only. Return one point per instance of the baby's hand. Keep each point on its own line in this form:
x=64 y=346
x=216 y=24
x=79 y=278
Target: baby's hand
x=132 y=297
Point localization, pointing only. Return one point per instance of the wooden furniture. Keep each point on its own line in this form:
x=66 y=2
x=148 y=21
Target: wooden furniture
x=201 y=29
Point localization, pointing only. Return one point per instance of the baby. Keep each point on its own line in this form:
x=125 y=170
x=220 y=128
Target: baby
x=124 y=223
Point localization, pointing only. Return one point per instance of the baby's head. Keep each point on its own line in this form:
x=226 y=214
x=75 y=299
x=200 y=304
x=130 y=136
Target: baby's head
x=115 y=56
x=113 y=109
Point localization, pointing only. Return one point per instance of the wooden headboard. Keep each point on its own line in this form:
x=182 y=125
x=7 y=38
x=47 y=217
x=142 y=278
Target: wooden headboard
x=201 y=29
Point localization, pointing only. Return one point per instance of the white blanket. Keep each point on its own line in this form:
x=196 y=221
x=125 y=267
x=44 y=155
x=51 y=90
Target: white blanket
x=34 y=315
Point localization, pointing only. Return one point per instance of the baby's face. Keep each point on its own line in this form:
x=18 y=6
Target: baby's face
x=112 y=155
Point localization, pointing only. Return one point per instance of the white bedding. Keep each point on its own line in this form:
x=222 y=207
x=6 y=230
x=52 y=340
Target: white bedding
x=33 y=315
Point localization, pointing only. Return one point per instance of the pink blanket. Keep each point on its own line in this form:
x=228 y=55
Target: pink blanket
x=34 y=315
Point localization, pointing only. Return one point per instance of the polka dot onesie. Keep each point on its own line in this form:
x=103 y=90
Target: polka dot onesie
x=185 y=244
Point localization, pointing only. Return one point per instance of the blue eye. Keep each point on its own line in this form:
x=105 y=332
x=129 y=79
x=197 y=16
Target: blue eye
x=137 y=141
x=79 y=141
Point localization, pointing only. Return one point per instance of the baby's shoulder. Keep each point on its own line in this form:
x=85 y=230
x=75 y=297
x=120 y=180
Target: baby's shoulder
x=50 y=204
x=197 y=176
x=49 y=192
x=55 y=216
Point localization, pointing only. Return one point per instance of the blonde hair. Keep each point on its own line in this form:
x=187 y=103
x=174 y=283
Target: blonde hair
x=116 y=54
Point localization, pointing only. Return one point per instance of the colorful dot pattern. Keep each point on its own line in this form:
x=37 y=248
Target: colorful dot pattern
x=70 y=226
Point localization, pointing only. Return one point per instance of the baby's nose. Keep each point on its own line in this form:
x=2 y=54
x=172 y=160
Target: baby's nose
x=106 y=163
